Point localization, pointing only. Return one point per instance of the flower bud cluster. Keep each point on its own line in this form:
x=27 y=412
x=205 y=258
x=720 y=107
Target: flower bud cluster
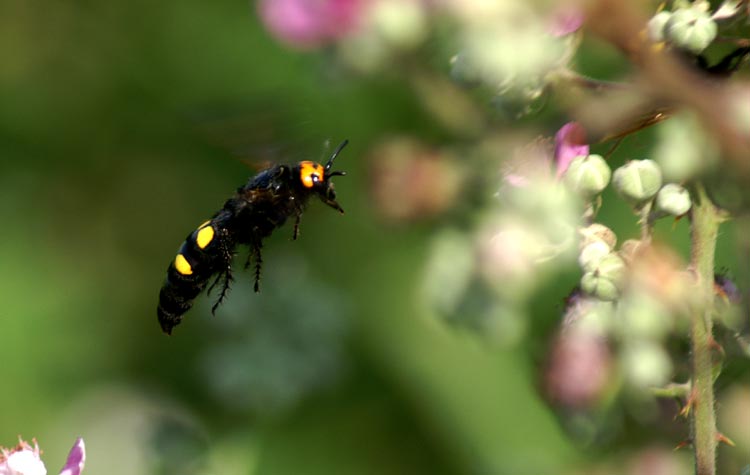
x=483 y=278
x=511 y=53
x=637 y=181
x=631 y=296
x=690 y=27
x=640 y=183
x=386 y=29
x=643 y=323
x=617 y=305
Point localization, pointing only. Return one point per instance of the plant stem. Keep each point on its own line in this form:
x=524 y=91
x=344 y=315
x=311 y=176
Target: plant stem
x=673 y=390
x=705 y=219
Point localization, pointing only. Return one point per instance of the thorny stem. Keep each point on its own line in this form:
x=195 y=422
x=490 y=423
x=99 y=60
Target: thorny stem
x=705 y=218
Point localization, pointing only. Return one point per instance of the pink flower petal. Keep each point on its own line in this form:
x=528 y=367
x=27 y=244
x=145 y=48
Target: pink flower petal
x=76 y=459
x=566 y=20
x=309 y=23
x=570 y=142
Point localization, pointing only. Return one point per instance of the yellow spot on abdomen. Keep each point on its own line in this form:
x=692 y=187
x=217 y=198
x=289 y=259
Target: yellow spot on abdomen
x=205 y=236
x=182 y=265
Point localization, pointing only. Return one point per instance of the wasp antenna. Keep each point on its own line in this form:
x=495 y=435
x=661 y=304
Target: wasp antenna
x=335 y=154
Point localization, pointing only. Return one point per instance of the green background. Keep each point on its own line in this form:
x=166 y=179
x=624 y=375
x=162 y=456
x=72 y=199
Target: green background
x=123 y=125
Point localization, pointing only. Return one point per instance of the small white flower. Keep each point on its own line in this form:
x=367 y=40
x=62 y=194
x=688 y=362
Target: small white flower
x=24 y=460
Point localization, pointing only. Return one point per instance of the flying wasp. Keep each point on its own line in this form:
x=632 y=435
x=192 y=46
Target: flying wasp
x=252 y=214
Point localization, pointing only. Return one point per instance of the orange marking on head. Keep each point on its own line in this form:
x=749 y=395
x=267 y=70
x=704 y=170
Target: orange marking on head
x=310 y=173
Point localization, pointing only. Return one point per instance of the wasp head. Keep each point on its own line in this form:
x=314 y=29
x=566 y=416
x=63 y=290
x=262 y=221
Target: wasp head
x=317 y=178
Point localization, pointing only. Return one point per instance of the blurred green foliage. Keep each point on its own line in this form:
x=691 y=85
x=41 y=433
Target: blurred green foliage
x=125 y=124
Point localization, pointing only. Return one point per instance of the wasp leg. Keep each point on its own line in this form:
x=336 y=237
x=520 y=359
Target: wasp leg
x=213 y=284
x=258 y=264
x=295 y=233
x=225 y=275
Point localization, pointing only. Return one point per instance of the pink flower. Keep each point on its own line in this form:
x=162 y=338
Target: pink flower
x=578 y=369
x=570 y=142
x=310 y=23
x=76 y=459
x=565 y=20
x=532 y=163
x=24 y=459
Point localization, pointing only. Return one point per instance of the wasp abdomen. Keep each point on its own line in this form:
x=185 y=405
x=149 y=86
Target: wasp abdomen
x=204 y=252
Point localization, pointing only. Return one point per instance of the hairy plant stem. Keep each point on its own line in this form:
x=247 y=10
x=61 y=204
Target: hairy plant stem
x=705 y=218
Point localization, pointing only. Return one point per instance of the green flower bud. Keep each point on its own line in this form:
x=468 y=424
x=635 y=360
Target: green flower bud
x=588 y=175
x=597 y=232
x=691 y=29
x=673 y=199
x=637 y=181
x=642 y=316
x=645 y=364
x=599 y=287
x=606 y=280
x=592 y=254
x=656 y=26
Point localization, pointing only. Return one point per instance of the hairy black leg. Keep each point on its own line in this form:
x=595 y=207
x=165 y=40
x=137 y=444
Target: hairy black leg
x=213 y=284
x=225 y=275
x=258 y=264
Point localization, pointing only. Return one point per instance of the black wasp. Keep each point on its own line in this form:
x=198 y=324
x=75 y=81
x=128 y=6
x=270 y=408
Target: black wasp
x=251 y=215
